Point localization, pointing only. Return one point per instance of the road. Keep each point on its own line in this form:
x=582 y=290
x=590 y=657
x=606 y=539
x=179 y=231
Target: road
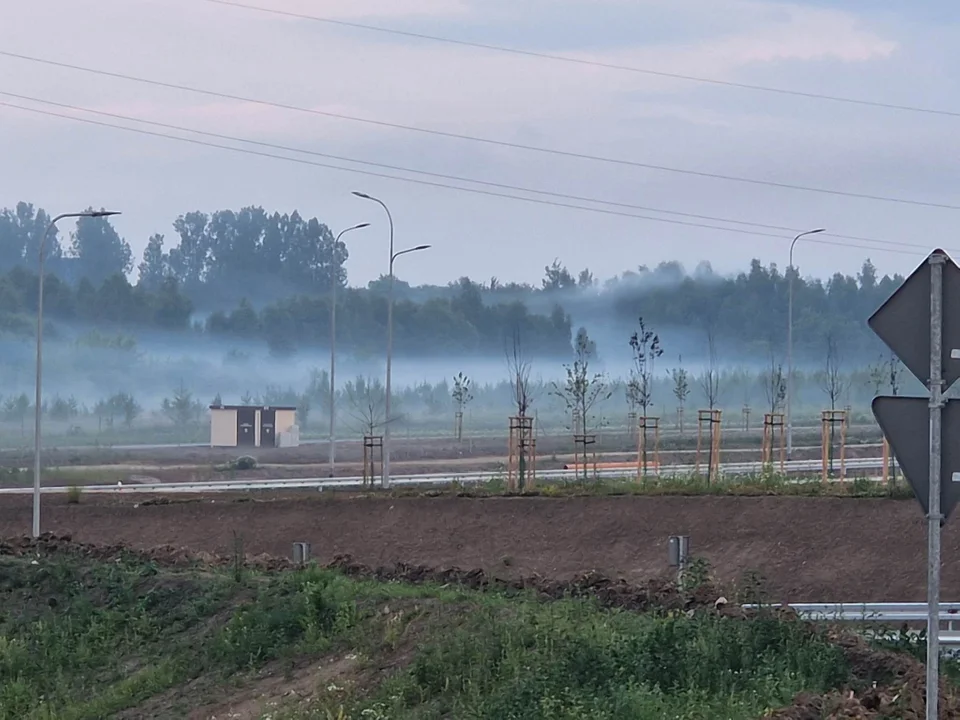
x=489 y=434
x=427 y=480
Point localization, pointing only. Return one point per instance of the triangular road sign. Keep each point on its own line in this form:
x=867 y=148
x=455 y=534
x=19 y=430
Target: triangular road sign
x=905 y=422
x=903 y=321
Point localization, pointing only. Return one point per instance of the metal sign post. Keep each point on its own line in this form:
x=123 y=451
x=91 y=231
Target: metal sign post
x=934 y=518
x=915 y=426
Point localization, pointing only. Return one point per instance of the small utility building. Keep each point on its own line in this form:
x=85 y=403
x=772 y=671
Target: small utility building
x=253 y=426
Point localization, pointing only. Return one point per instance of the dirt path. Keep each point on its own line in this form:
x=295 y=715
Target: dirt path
x=813 y=549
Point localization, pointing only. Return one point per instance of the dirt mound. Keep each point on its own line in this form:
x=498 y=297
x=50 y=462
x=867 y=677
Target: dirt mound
x=659 y=593
x=608 y=592
x=164 y=555
x=892 y=685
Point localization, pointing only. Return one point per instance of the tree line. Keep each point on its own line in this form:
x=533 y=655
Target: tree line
x=266 y=276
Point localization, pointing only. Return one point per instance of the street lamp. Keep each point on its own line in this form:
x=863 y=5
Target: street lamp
x=334 y=281
x=790 y=273
x=393 y=257
x=39 y=399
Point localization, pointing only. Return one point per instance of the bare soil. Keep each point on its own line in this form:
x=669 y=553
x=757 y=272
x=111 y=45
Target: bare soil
x=418 y=452
x=409 y=457
x=808 y=549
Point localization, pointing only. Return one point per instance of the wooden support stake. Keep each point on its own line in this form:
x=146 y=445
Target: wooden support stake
x=828 y=421
x=372 y=446
x=521 y=455
x=646 y=424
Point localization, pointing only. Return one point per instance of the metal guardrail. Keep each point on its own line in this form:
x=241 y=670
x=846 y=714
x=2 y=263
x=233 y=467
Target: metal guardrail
x=434 y=479
x=882 y=614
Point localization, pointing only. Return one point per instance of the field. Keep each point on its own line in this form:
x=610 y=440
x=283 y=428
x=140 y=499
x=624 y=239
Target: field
x=457 y=602
x=819 y=549
x=107 y=464
x=94 y=632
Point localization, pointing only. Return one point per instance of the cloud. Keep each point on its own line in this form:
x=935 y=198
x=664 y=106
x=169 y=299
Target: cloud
x=488 y=94
x=368 y=9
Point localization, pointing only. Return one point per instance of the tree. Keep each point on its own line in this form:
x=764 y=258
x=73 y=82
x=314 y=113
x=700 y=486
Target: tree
x=181 y=409
x=17 y=408
x=64 y=408
x=710 y=378
x=681 y=389
x=894 y=370
x=885 y=372
x=582 y=389
x=710 y=384
x=519 y=369
x=831 y=379
x=155 y=268
x=462 y=396
x=367 y=403
x=126 y=406
x=646 y=348
x=832 y=382
x=557 y=277
x=99 y=249
x=774 y=383
x=303 y=410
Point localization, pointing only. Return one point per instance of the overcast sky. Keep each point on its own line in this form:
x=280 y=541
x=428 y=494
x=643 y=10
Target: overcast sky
x=880 y=50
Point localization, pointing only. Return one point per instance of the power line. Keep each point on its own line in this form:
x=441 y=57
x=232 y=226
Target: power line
x=538 y=201
x=487 y=141
x=442 y=176
x=592 y=63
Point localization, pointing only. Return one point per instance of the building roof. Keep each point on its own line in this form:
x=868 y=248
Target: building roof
x=253 y=407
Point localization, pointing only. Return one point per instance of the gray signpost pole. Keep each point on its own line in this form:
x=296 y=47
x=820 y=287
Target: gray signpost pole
x=934 y=516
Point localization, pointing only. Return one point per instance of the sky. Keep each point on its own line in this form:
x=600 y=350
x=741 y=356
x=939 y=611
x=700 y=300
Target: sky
x=881 y=51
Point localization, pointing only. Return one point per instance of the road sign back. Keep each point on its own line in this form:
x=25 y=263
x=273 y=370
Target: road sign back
x=903 y=321
x=905 y=422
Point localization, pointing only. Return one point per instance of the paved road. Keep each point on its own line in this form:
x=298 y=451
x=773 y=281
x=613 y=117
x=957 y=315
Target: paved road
x=411 y=438
x=428 y=480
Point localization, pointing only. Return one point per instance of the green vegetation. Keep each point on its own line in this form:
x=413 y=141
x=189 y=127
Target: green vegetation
x=88 y=638
x=690 y=485
x=227 y=261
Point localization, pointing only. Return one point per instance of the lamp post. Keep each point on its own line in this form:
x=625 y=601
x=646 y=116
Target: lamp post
x=393 y=257
x=38 y=400
x=334 y=281
x=790 y=340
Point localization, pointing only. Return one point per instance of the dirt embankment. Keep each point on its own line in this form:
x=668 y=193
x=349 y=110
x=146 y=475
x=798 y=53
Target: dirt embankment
x=882 y=684
x=806 y=549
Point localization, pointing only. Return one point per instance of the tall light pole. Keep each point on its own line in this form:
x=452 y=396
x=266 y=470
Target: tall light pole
x=790 y=274
x=38 y=400
x=334 y=281
x=393 y=257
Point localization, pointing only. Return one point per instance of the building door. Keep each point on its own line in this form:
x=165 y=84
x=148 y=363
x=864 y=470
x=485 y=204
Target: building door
x=268 y=422
x=246 y=427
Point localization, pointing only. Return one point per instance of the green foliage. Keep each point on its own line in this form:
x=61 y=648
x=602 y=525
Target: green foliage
x=461 y=393
x=568 y=660
x=582 y=390
x=284 y=264
x=181 y=409
x=646 y=349
x=87 y=639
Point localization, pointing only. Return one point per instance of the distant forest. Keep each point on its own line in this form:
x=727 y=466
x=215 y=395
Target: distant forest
x=266 y=277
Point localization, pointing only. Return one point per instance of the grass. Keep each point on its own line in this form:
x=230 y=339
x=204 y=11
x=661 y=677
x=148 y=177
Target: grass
x=81 y=638
x=762 y=484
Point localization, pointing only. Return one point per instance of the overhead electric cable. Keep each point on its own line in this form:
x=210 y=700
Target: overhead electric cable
x=456 y=178
x=591 y=63
x=488 y=141
x=478 y=191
